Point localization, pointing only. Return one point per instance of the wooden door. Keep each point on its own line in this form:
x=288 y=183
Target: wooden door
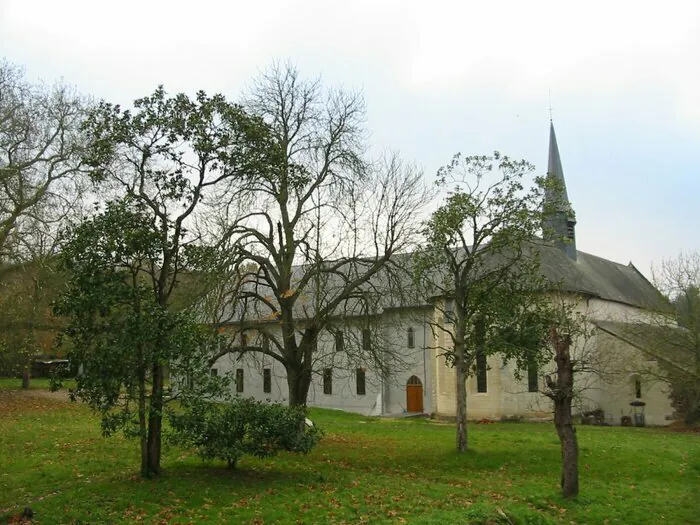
x=414 y=395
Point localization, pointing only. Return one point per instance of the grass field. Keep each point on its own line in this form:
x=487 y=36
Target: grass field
x=366 y=470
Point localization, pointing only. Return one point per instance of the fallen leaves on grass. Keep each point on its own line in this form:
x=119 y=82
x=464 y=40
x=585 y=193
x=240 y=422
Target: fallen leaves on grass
x=17 y=403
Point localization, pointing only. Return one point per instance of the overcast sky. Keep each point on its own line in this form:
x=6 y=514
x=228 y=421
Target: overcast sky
x=438 y=78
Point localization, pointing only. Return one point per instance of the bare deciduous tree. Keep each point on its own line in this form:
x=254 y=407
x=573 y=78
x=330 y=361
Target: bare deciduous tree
x=324 y=226
x=670 y=339
x=40 y=164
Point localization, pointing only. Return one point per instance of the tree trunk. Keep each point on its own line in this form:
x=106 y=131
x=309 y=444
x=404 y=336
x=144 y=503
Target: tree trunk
x=26 y=376
x=461 y=386
x=155 y=421
x=143 y=436
x=563 y=394
x=461 y=409
x=298 y=382
x=569 y=449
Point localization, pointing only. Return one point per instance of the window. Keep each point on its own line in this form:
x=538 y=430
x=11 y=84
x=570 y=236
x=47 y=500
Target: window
x=532 y=379
x=637 y=388
x=244 y=340
x=239 y=380
x=360 y=381
x=366 y=339
x=449 y=310
x=328 y=381
x=267 y=381
x=265 y=343
x=481 y=385
x=339 y=342
x=214 y=372
x=411 y=338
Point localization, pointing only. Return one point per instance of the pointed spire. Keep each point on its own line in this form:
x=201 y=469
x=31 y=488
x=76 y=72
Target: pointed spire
x=555 y=172
x=562 y=221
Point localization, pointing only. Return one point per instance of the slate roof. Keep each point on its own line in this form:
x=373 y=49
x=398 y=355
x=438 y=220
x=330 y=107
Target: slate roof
x=668 y=343
x=598 y=277
x=588 y=275
x=559 y=197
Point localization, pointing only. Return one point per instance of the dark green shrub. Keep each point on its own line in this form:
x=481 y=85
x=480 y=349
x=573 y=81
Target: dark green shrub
x=241 y=426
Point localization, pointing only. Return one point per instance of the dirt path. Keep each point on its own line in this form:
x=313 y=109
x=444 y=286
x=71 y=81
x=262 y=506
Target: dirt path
x=61 y=395
x=15 y=402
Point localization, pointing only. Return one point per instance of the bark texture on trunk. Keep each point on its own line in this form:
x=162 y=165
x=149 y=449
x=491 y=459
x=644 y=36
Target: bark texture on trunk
x=142 y=426
x=298 y=382
x=155 y=423
x=461 y=386
x=569 y=452
x=461 y=410
x=562 y=393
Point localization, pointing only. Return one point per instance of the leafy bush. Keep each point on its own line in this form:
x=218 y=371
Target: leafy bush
x=242 y=426
x=685 y=397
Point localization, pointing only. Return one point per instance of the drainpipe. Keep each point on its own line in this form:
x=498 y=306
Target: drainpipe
x=425 y=368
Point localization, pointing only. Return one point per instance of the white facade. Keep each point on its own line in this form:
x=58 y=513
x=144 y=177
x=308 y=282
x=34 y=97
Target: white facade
x=405 y=335
x=420 y=362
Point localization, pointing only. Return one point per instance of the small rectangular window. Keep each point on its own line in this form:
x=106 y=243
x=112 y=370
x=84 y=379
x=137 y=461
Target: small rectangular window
x=532 y=377
x=638 y=388
x=366 y=339
x=328 y=381
x=265 y=343
x=239 y=380
x=214 y=372
x=267 y=381
x=360 y=380
x=481 y=384
x=244 y=340
x=411 y=338
x=339 y=342
x=449 y=310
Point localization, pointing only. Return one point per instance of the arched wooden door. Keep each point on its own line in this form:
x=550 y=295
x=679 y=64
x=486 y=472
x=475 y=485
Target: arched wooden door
x=414 y=395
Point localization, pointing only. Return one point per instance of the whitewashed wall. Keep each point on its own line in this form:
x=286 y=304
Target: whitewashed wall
x=383 y=395
x=505 y=396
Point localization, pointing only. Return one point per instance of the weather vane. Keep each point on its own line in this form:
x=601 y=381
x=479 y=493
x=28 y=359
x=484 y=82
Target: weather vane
x=550 y=105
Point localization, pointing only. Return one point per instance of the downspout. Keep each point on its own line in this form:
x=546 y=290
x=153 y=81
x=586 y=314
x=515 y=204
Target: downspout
x=383 y=394
x=425 y=368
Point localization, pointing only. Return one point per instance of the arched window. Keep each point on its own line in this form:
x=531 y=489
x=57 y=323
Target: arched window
x=339 y=341
x=414 y=380
x=328 y=381
x=481 y=367
x=411 y=337
x=637 y=382
x=532 y=376
x=366 y=339
x=360 y=381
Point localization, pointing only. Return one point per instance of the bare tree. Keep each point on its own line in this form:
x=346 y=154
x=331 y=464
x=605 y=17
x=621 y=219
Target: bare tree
x=326 y=224
x=564 y=339
x=40 y=163
x=669 y=338
x=41 y=186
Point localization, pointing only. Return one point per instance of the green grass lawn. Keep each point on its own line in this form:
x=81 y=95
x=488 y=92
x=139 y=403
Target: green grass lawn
x=366 y=470
x=11 y=383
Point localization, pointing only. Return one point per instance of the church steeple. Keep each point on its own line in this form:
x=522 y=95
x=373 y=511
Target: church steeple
x=560 y=224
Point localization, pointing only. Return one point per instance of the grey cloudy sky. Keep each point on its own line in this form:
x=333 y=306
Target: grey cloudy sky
x=438 y=78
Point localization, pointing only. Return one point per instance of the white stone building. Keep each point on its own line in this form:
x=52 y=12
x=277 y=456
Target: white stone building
x=609 y=294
